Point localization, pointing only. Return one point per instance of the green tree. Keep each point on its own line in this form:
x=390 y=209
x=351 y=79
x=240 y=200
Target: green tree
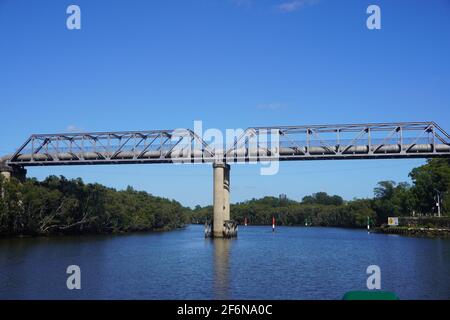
x=323 y=198
x=428 y=179
x=61 y=206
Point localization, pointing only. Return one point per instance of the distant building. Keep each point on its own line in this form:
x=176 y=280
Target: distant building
x=282 y=197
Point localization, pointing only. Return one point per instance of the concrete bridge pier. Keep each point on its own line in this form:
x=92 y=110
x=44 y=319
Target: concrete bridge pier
x=223 y=227
x=9 y=172
x=226 y=193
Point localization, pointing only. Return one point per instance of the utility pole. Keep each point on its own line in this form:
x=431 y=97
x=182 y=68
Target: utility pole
x=438 y=201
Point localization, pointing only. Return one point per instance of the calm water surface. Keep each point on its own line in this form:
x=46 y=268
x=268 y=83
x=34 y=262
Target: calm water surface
x=292 y=263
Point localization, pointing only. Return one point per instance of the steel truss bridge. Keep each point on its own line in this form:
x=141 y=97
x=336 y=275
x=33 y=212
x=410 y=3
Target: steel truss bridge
x=316 y=142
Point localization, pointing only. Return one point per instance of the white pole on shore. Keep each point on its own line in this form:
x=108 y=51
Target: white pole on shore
x=438 y=201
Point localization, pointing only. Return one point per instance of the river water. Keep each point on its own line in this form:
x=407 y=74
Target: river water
x=291 y=263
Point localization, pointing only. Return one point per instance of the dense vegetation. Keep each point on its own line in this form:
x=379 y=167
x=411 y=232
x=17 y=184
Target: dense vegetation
x=60 y=206
x=289 y=212
x=390 y=199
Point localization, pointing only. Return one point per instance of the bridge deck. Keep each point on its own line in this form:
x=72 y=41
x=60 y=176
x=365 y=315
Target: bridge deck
x=319 y=142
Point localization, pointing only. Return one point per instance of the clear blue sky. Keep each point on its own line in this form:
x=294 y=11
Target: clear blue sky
x=139 y=65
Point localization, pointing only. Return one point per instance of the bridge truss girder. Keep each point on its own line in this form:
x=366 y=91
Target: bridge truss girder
x=317 y=142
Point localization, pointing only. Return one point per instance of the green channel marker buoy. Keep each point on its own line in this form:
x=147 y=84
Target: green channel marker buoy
x=370 y=295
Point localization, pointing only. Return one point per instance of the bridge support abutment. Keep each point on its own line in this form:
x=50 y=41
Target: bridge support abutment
x=8 y=172
x=223 y=227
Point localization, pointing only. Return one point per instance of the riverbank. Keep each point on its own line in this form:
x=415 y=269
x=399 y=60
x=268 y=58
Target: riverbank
x=88 y=234
x=415 y=231
x=424 y=226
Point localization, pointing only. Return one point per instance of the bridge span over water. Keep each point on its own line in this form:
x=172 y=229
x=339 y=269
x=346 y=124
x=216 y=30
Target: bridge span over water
x=255 y=144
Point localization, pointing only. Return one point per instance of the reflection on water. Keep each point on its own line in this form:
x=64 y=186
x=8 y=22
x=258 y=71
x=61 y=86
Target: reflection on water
x=222 y=268
x=291 y=263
